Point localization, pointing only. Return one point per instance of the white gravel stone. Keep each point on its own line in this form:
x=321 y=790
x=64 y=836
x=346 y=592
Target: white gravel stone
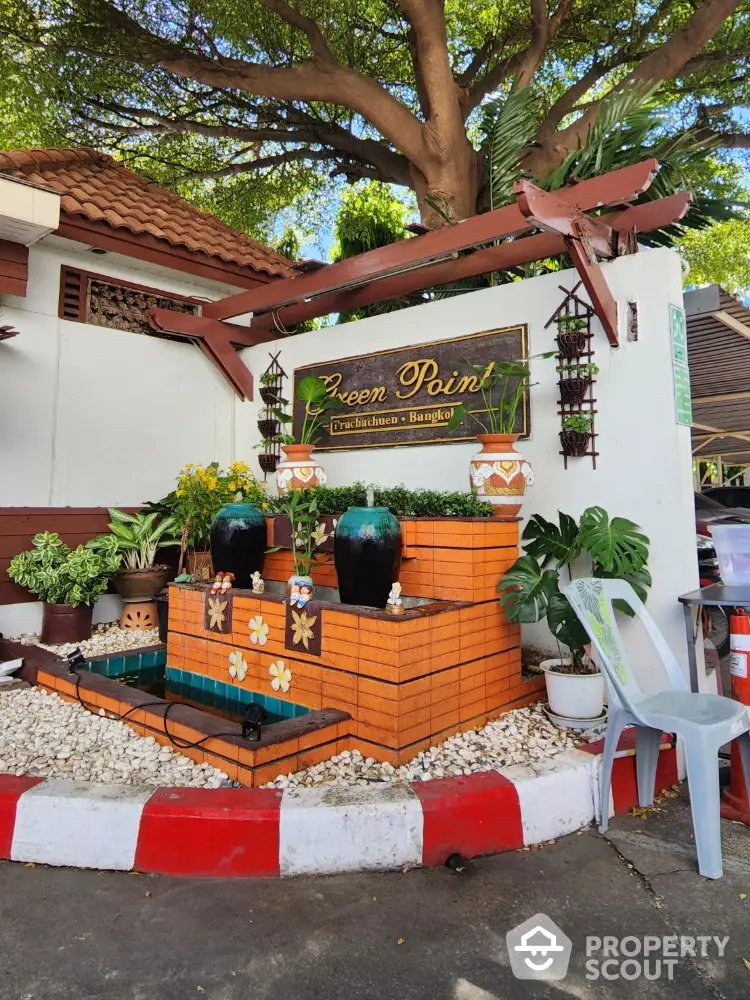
x=107 y=637
x=42 y=735
x=520 y=737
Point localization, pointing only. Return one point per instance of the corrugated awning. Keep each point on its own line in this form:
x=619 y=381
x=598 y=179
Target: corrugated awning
x=718 y=331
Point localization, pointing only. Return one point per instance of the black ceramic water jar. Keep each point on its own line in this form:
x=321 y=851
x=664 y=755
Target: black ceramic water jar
x=238 y=542
x=367 y=555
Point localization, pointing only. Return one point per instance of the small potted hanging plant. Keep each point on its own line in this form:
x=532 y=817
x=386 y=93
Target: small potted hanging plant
x=575 y=381
x=530 y=592
x=270 y=388
x=268 y=426
x=572 y=335
x=498 y=473
x=576 y=434
x=300 y=470
x=68 y=581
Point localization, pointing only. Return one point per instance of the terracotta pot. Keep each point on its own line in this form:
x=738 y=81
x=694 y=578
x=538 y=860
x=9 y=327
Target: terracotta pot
x=499 y=474
x=199 y=564
x=299 y=470
x=574 y=444
x=63 y=623
x=141 y=584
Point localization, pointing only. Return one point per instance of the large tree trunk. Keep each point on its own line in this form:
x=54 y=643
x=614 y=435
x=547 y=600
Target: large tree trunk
x=448 y=190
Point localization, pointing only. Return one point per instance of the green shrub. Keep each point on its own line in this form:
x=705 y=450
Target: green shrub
x=401 y=501
x=58 y=575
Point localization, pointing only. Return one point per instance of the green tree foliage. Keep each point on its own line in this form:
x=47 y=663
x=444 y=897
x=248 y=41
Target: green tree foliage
x=247 y=106
x=720 y=255
x=370 y=216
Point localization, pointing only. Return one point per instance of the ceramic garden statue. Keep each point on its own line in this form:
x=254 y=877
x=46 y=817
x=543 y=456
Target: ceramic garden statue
x=258 y=583
x=394 y=604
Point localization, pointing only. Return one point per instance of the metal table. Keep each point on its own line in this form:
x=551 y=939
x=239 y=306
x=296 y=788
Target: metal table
x=717 y=595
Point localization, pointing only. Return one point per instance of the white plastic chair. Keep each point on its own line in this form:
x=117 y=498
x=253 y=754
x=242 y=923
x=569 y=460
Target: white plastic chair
x=704 y=721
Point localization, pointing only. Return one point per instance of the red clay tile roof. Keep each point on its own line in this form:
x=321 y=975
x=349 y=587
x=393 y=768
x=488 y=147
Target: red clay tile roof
x=99 y=188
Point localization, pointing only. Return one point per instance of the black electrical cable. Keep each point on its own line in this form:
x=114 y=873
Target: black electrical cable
x=176 y=741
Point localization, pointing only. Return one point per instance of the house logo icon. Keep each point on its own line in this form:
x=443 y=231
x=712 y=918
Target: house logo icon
x=538 y=949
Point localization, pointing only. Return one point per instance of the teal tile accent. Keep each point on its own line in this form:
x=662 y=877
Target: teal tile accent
x=117 y=665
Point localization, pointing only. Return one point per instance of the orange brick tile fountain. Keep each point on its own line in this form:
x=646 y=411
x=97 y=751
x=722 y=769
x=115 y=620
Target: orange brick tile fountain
x=406 y=682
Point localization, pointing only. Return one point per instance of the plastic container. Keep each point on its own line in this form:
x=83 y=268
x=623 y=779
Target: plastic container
x=732 y=544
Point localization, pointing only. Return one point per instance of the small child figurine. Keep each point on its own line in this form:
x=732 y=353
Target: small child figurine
x=226 y=583
x=394 y=605
x=216 y=587
x=258 y=583
x=305 y=593
x=294 y=594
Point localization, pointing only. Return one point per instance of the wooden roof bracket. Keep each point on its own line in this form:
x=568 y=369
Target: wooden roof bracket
x=216 y=340
x=586 y=240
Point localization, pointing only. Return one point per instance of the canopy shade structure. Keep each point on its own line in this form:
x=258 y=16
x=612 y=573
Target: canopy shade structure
x=538 y=225
x=718 y=331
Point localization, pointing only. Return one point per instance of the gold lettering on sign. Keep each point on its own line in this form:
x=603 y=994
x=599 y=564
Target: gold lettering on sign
x=414 y=375
x=356 y=397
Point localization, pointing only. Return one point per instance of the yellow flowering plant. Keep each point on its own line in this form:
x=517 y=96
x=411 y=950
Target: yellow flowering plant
x=203 y=490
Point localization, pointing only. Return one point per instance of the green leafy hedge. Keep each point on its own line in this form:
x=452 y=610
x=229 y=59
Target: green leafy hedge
x=58 y=575
x=401 y=501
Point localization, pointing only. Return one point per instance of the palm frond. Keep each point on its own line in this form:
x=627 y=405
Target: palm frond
x=510 y=125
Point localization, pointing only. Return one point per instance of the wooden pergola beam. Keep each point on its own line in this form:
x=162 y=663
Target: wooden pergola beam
x=438 y=245
x=640 y=218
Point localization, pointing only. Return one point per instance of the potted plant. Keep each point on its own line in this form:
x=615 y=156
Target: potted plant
x=268 y=427
x=201 y=493
x=299 y=470
x=307 y=534
x=69 y=582
x=575 y=381
x=138 y=537
x=270 y=388
x=530 y=592
x=576 y=434
x=572 y=335
x=498 y=473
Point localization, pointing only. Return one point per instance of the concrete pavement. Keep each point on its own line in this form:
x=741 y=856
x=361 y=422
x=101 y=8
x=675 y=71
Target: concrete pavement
x=420 y=935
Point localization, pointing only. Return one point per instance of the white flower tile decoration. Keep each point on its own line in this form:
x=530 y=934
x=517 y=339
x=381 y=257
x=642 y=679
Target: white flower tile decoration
x=282 y=676
x=258 y=631
x=237 y=666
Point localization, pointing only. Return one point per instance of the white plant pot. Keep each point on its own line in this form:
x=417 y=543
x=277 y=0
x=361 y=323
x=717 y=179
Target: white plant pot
x=573 y=696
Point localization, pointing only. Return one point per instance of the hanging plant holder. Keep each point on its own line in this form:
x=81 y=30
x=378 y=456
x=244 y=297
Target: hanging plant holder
x=270 y=395
x=575 y=444
x=573 y=390
x=271 y=392
x=577 y=373
x=572 y=343
x=268 y=427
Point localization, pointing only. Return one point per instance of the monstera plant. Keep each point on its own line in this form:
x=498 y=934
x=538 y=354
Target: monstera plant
x=597 y=546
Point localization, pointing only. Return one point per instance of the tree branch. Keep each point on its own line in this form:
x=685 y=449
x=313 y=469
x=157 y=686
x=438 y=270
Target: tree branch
x=315 y=36
x=427 y=19
x=308 y=81
x=524 y=63
x=663 y=63
x=261 y=163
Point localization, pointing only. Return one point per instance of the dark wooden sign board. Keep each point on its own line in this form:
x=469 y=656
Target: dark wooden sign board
x=407 y=396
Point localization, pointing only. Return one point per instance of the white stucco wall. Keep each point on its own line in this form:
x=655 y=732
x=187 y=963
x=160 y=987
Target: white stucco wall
x=644 y=467
x=92 y=416
x=97 y=417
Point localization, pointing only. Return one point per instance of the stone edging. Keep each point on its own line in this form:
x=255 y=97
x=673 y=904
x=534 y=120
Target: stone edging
x=236 y=832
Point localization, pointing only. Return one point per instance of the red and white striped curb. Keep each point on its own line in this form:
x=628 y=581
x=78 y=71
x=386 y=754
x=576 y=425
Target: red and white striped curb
x=238 y=832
